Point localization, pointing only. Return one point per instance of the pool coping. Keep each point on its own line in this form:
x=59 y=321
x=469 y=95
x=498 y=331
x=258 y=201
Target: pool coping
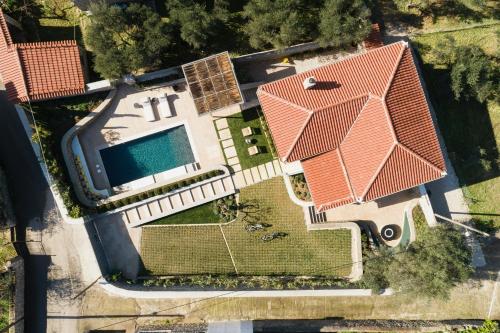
x=97 y=150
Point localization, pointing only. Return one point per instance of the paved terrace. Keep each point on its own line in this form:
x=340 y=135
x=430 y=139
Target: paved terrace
x=124 y=120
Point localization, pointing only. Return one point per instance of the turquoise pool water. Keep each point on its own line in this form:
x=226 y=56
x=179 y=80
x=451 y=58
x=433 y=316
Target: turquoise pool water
x=146 y=156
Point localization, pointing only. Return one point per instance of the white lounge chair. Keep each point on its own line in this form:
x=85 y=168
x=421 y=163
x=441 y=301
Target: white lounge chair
x=149 y=114
x=247 y=131
x=253 y=150
x=163 y=106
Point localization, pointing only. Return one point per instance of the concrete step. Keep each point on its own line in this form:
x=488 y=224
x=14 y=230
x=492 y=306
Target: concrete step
x=228 y=183
x=197 y=193
x=165 y=204
x=176 y=201
x=144 y=212
x=208 y=190
x=187 y=197
x=218 y=186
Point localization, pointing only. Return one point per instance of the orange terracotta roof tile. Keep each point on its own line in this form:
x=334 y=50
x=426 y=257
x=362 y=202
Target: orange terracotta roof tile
x=371 y=110
x=35 y=71
x=374 y=39
x=327 y=181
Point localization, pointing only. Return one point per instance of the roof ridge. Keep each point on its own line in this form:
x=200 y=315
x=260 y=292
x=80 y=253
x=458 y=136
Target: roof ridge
x=346 y=175
x=442 y=172
x=329 y=203
x=379 y=169
x=23 y=73
x=389 y=119
x=357 y=117
x=5 y=29
x=299 y=135
x=396 y=66
x=47 y=44
x=281 y=99
x=323 y=108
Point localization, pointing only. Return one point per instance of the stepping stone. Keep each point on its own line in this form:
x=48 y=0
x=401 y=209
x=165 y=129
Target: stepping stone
x=143 y=212
x=176 y=201
x=225 y=134
x=277 y=167
x=270 y=169
x=236 y=167
x=255 y=174
x=154 y=208
x=248 y=176
x=165 y=204
x=230 y=152
x=227 y=143
x=221 y=123
x=187 y=197
x=239 y=179
x=218 y=187
x=233 y=161
x=197 y=194
x=132 y=215
x=263 y=172
x=228 y=183
x=208 y=190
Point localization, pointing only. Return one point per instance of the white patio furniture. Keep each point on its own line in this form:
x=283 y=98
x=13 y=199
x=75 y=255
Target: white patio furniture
x=254 y=150
x=163 y=106
x=247 y=131
x=149 y=114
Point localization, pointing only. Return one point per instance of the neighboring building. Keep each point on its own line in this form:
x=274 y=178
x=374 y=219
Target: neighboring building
x=38 y=71
x=361 y=128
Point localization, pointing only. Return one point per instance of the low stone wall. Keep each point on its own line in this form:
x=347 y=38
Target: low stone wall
x=68 y=151
x=274 y=54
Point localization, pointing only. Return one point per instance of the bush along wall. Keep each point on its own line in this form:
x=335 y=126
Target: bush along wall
x=157 y=191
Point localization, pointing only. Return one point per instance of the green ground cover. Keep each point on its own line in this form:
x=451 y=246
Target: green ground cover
x=471 y=130
x=202 y=214
x=54 y=118
x=7 y=252
x=201 y=249
x=250 y=117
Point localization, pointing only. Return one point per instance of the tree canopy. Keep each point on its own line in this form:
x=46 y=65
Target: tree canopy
x=126 y=40
x=475 y=75
x=437 y=261
x=344 y=22
x=280 y=23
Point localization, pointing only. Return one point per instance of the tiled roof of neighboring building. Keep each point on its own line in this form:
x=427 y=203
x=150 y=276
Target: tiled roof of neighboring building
x=35 y=71
x=365 y=127
x=374 y=39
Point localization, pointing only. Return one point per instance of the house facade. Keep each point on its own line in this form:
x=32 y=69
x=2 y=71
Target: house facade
x=360 y=128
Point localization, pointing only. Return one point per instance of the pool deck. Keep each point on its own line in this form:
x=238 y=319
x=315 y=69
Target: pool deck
x=124 y=120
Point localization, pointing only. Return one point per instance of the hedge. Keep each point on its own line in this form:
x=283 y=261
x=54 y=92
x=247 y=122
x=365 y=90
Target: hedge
x=157 y=191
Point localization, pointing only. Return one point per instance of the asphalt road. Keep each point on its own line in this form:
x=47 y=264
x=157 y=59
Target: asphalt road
x=32 y=199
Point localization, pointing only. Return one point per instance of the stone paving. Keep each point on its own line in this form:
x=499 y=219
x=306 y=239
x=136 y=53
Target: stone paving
x=247 y=177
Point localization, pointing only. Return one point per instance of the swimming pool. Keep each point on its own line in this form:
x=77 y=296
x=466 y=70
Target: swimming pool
x=148 y=155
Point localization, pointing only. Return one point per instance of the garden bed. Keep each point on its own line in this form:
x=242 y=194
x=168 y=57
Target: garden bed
x=300 y=187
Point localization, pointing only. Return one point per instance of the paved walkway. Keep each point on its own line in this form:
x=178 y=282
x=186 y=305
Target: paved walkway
x=247 y=177
x=177 y=201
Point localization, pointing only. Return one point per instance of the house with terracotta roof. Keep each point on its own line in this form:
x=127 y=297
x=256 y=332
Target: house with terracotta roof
x=38 y=71
x=359 y=129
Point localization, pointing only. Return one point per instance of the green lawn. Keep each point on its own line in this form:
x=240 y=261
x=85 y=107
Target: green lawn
x=244 y=119
x=201 y=249
x=184 y=250
x=198 y=215
x=471 y=130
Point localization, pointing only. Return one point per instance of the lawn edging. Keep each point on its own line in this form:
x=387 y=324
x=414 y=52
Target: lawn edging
x=356 y=253
x=114 y=289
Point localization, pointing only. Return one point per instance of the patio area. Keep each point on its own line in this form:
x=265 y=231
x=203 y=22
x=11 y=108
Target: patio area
x=125 y=120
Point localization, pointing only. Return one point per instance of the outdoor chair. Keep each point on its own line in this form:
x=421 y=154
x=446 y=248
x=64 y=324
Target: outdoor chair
x=254 y=150
x=247 y=131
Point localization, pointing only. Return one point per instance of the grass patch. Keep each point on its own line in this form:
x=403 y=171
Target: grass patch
x=185 y=250
x=198 y=215
x=201 y=249
x=54 y=119
x=249 y=118
x=470 y=129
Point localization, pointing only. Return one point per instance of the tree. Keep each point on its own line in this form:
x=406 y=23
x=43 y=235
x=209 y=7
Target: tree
x=344 y=22
x=126 y=40
x=474 y=74
x=489 y=326
x=280 y=23
x=432 y=265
